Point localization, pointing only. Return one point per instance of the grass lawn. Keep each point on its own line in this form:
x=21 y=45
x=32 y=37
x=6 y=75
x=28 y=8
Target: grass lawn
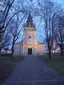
x=57 y=63
x=6 y=66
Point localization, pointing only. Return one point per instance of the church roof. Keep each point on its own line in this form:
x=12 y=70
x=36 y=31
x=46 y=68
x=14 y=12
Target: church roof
x=29 y=23
x=19 y=42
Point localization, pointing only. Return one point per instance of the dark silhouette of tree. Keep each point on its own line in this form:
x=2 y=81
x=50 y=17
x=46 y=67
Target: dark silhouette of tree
x=6 y=18
x=7 y=6
x=4 y=12
x=13 y=29
x=48 y=11
x=60 y=31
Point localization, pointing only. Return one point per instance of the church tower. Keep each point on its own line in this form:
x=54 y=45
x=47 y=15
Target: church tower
x=29 y=41
x=29 y=45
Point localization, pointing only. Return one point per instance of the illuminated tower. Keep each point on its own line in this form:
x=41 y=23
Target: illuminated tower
x=29 y=42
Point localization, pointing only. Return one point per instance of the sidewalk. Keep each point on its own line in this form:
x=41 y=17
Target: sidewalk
x=32 y=71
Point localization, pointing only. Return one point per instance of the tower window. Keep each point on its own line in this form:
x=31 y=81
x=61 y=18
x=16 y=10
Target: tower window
x=29 y=37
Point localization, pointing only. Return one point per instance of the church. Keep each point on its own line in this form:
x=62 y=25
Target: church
x=29 y=45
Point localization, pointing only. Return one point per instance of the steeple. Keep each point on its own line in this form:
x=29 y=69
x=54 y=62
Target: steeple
x=29 y=22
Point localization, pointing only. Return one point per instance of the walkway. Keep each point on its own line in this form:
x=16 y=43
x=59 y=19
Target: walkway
x=32 y=71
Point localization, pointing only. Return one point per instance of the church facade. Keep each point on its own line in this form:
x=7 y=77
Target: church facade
x=29 y=45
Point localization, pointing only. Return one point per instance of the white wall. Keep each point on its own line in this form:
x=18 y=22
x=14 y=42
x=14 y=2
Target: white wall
x=37 y=48
x=40 y=49
x=18 y=50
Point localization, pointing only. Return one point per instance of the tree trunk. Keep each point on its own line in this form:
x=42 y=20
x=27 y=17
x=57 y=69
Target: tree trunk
x=49 y=53
x=61 y=50
x=12 y=53
x=0 y=52
x=61 y=47
x=49 y=50
x=12 y=50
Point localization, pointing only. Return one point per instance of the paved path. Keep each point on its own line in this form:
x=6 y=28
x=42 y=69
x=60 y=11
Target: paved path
x=32 y=71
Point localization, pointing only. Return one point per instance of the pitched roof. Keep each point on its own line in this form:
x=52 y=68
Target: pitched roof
x=19 y=42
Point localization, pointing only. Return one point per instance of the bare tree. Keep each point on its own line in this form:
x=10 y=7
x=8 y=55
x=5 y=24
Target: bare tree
x=48 y=11
x=4 y=12
x=5 y=42
x=7 y=6
x=6 y=17
x=60 y=31
x=15 y=29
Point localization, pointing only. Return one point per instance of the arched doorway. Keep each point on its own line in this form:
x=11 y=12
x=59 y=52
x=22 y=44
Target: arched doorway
x=30 y=51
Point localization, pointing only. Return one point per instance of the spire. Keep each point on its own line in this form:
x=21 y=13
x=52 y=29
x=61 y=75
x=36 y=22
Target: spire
x=29 y=22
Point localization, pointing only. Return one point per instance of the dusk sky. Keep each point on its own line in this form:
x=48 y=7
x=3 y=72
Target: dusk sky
x=39 y=26
x=60 y=1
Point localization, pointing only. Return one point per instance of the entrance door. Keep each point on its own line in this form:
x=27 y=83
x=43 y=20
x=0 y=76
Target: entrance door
x=30 y=51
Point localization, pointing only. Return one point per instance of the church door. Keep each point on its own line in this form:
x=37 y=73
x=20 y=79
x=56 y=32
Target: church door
x=30 y=51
